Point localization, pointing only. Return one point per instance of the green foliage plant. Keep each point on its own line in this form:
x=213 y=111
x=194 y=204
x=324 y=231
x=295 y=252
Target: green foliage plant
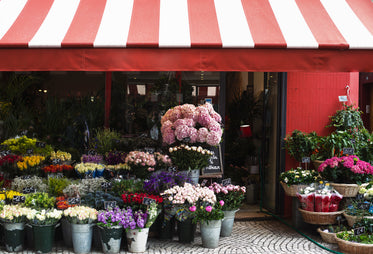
x=127 y=185
x=57 y=185
x=348 y=118
x=39 y=201
x=300 y=144
x=105 y=140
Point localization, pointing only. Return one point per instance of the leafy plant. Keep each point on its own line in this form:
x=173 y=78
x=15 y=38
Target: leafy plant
x=127 y=185
x=97 y=199
x=40 y=200
x=57 y=185
x=299 y=176
x=105 y=141
x=300 y=144
x=349 y=117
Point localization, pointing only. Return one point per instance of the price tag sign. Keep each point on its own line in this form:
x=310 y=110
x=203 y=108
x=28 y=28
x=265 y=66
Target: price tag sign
x=360 y=196
x=150 y=150
x=348 y=150
x=5 y=153
x=55 y=175
x=172 y=169
x=25 y=177
x=28 y=190
x=74 y=201
x=306 y=160
x=106 y=185
x=353 y=141
x=148 y=201
x=204 y=182
x=363 y=206
x=40 y=144
x=88 y=175
x=226 y=182
x=92 y=152
x=359 y=230
x=110 y=204
x=18 y=199
x=56 y=161
x=29 y=151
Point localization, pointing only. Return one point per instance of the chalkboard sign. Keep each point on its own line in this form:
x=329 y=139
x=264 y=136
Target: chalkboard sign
x=73 y=201
x=363 y=206
x=306 y=160
x=172 y=169
x=29 y=151
x=204 y=182
x=18 y=199
x=92 y=152
x=226 y=182
x=5 y=153
x=110 y=204
x=40 y=144
x=25 y=177
x=56 y=161
x=88 y=175
x=359 y=230
x=215 y=166
x=106 y=185
x=150 y=150
x=148 y=201
x=348 y=150
x=55 y=175
x=352 y=141
x=28 y=190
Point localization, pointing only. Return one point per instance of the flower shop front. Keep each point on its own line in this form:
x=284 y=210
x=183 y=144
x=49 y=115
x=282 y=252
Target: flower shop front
x=310 y=41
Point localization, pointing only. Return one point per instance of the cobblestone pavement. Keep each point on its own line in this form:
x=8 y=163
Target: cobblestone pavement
x=267 y=236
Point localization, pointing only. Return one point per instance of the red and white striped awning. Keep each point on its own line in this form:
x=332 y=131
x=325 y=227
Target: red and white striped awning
x=273 y=35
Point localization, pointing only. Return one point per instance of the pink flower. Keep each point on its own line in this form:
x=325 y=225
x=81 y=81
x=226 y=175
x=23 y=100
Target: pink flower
x=208 y=209
x=181 y=132
x=221 y=202
x=192 y=208
x=213 y=138
x=202 y=134
x=193 y=134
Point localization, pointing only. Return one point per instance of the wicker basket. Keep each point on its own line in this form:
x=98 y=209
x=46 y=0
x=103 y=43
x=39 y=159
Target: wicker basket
x=351 y=219
x=292 y=189
x=327 y=236
x=319 y=218
x=316 y=164
x=354 y=248
x=347 y=190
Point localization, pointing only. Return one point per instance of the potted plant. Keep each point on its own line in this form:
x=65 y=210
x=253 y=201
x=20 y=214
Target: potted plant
x=209 y=215
x=13 y=218
x=142 y=163
x=300 y=144
x=293 y=179
x=163 y=161
x=37 y=183
x=110 y=223
x=232 y=195
x=328 y=233
x=81 y=219
x=43 y=224
x=346 y=173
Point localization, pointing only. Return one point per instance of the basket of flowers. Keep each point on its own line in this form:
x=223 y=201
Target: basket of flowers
x=294 y=179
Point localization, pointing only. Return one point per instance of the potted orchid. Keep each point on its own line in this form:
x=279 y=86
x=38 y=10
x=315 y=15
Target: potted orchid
x=346 y=173
x=142 y=163
x=81 y=219
x=232 y=195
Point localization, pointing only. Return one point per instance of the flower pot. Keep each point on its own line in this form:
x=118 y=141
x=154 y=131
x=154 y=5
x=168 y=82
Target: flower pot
x=111 y=239
x=14 y=236
x=210 y=232
x=29 y=239
x=194 y=176
x=66 y=232
x=186 y=230
x=82 y=237
x=227 y=223
x=137 y=239
x=43 y=237
x=347 y=190
x=96 y=237
x=166 y=228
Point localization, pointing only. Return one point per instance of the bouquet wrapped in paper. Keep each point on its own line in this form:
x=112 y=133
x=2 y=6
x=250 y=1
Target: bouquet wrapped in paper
x=306 y=197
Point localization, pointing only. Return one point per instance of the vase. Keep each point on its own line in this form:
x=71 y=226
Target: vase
x=193 y=175
x=81 y=237
x=186 y=230
x=43 y=237
x=111 y=238
x=137 y=239
x=29 y=239
x=96 y=237
x=227 y=223
x=14 y=236
x=66 y=232
x=210 y=232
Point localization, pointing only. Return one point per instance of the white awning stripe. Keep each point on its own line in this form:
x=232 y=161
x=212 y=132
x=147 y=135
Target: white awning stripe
x=234 y=30
x=9 y=11
x=352 y=29
x=174 y=24
x=55 y=25
x=110 y=33
x=296 y=32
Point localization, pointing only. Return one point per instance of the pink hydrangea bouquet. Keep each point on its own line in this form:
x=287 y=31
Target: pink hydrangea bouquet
x=190 y=124
x=232 y=195
x=142 y=163
x=346 y=169
x=163 y=161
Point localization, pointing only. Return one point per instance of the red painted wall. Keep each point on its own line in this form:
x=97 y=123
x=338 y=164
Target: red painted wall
x=311 y=98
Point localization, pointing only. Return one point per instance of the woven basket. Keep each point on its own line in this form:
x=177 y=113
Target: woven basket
x=326 y=236
x=354 y=248
x=316 y=164
x=319 y=218
x=292 y=189
x=347 y=190
x=351 y=219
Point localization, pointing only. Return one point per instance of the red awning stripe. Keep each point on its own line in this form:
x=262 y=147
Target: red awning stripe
x=187 y=23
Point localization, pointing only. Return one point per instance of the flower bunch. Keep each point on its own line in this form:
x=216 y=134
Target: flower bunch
x=60 y=155
x=62 y=203
x=162 y=160
x=44 y=217
x=191 y=124
x=88 y=158
x=135 y=200
x=14 y=213
x=57 y=168
x=83 y=167
x=299 y=176
x=20 y=145
x=206 y=212
x=9 y=159
x=80 y=214
x=232 y=195
x=112 y=217
x=39 y=200
x=163 y=180
x=114 y=158
x=30 y=163
x=118 y=167
x=346 y=169
x=189 y=157
x=366 y=189
x=141 y=163
x=36 y=182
